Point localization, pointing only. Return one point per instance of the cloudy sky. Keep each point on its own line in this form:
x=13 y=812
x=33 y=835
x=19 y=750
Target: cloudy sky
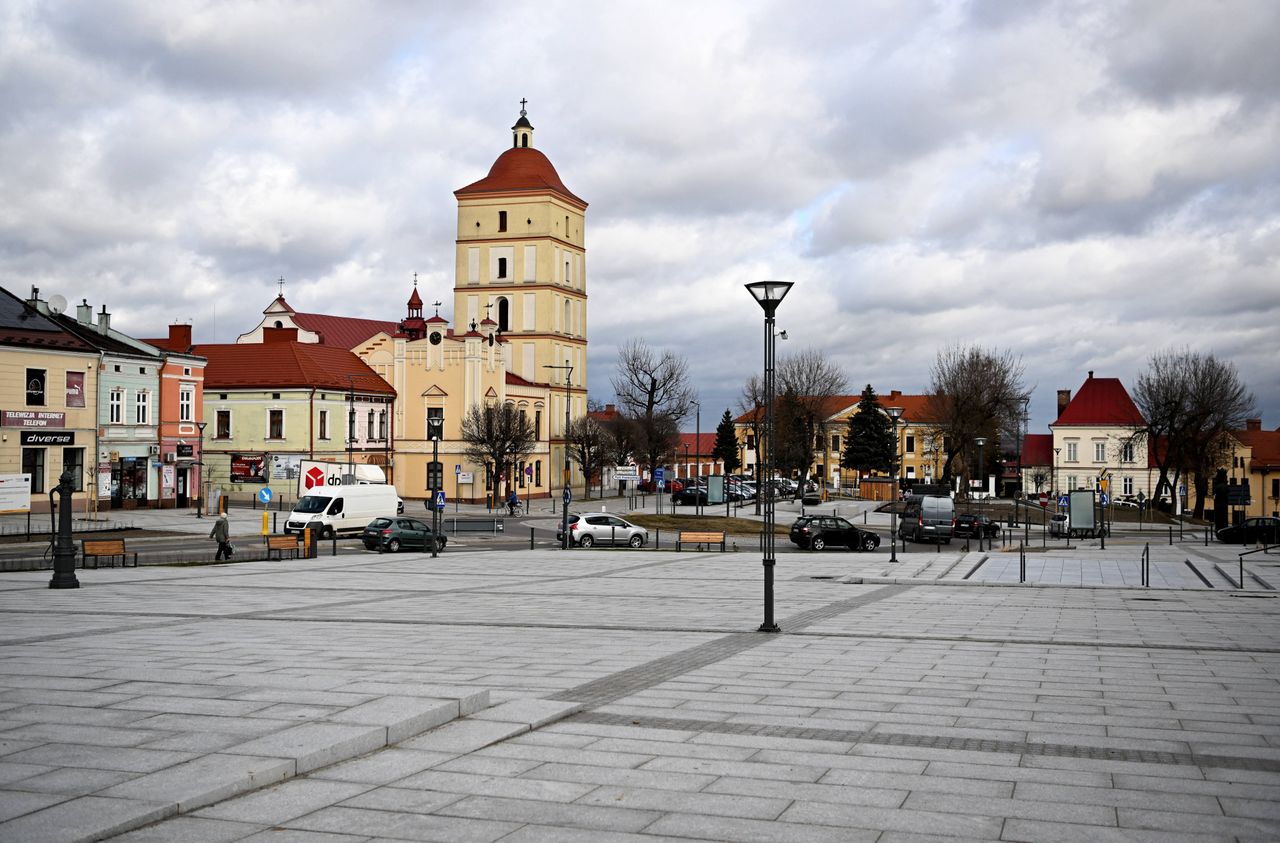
x=1080 y=183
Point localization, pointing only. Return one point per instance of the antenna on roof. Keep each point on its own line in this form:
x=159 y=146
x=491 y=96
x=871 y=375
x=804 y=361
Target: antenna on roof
x=57 y=303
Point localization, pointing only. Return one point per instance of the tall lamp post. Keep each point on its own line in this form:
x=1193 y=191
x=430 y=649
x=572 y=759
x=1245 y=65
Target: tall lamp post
x=1056 y=451
x=697 y=456
x=895 y=413
x=768 y=294
x=982 y=470
x=200 y=486
x=435 y=431
x=566 y=496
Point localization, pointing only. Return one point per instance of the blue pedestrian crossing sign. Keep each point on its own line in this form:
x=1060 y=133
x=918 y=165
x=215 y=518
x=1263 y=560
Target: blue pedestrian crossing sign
x=440 y=501
x=264 y=494
x=1062 y=501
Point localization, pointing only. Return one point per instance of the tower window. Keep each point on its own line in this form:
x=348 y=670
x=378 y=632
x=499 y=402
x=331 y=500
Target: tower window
x=502 y=267
x=502 y=220
x=504 y=315
x=524 y=141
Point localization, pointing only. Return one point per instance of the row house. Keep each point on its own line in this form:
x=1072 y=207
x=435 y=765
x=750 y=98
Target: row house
x=1255 y=463
x=272 y=404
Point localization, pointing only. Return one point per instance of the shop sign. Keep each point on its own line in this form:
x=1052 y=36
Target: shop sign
x=35 y=387
x=248 y=467
x=32 y=418
x=186 y=450
x=75 y=389
x=46 y=438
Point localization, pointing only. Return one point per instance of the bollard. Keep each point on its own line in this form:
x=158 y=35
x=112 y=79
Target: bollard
x=1242 y=572
x=531 y=538
x=1170 y=534
x=308 y=547
x=657 y=539
x=275 y=524
x=1022 y=563
x=333 y=551
x=264 y=523
x=1206 y=536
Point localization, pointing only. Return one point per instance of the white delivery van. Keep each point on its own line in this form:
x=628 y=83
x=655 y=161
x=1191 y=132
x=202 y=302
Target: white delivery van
x=338 y=509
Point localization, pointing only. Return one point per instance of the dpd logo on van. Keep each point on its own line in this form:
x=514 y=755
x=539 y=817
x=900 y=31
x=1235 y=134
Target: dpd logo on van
x=313 y=478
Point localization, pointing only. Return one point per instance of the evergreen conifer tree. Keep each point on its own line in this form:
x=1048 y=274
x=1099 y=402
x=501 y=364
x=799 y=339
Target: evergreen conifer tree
x=869 y=442
x=726 y=447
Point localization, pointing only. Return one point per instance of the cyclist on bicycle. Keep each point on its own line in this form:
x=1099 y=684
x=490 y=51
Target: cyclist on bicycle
x=513 y=503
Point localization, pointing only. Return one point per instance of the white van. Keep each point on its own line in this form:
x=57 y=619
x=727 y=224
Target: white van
x=339 y=509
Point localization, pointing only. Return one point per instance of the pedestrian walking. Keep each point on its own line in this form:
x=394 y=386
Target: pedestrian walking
x=221 y=533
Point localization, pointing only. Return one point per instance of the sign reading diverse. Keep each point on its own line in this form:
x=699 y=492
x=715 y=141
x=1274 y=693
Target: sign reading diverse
x=32 y=418
x=41 y=438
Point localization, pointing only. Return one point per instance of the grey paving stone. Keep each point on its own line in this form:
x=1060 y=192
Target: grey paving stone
x=1116 y=797
x=73 y=781
x=882 y=797
x=1049 y=810
x=382 y=767
x=464 y=736
x=561 y=834
x=488 y=765
x=313 y=745
x=715 y=804
x=531 y=712
x=21 y=772
x=403 y=717
x=278 y=804
x=395 y=798
x=551 y=813
x=190 y=830
x=83 y=819
x=291 y=835
x=15 y=803
x=204 y=780
x=1016 y=829
x=479 y=785
x=403 y=826
x=99 y=757
x=739 y=769
x=567 y=755
x=754 y=831
x=596 y=774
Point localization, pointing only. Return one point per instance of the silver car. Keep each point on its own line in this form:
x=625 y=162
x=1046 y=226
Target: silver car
x=602 y=528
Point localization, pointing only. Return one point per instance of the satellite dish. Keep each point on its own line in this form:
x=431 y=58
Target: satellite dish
x=57 y=303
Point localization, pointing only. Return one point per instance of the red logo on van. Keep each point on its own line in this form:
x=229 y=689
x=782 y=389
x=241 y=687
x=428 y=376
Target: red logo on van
x=314 y=477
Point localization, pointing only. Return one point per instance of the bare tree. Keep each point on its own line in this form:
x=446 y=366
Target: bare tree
x=1190 y=401
x=807 y=381
x=974 y=392
x=497 y=436
x=654 y=393
x=590 y=447
x=751 y=407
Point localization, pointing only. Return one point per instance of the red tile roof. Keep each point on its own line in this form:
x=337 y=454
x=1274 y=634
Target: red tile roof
x=287 y=365
x=914 y=407
x=1037 y=449
x=1265 y=445
x=343 y=331
x=703 y=445
x=521 y=169
x=1101 y=402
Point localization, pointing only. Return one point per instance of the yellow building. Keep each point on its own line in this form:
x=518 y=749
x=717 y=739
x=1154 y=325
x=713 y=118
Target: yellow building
x=518 y=335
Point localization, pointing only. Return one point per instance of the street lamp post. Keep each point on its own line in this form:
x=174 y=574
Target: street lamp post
x=768 y=294
x=200 y=462
x=982 y=478
x=697 y=455
x=1056 y=451
x=435 y=431
x=895 y=413
x=566 y=496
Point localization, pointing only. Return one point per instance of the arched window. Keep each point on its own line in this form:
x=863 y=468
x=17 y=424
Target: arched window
x=504 y=315
x=279 y=324
x=524 y=141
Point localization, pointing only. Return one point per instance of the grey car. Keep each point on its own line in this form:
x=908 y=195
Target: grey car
x=602 y=528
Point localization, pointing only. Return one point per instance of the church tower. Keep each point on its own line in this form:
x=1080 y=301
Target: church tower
x=521 y=262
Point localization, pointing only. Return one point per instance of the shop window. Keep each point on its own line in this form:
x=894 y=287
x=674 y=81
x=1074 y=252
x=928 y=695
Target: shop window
x=33 y=464
x=73 y=461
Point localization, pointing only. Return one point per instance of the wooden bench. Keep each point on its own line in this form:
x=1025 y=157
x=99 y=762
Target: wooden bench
x=279 y=545
x=700 y=537
x=108 y=549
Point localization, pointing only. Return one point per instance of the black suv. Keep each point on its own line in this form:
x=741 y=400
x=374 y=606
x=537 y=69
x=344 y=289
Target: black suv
x=818 y=531
x=976 y=525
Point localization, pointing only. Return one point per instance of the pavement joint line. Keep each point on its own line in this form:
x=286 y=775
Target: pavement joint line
x=1181 y=759
x=626 y=682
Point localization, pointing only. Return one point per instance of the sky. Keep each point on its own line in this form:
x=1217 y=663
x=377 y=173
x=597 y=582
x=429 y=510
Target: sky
x=1082 y=184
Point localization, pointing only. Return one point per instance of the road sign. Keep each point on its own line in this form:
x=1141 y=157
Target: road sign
x=440 y=501
x=528 y=470
x=466 y=477
x=568 y=496
x=1182 y=491
x=1104 y=499
x=457 y=469
x=1062 y=501
x=626 y=472
x=1044 y=499
x=658 y=476
x=264 y=494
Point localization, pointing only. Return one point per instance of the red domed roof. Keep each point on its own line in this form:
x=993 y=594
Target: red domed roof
x=521 y=169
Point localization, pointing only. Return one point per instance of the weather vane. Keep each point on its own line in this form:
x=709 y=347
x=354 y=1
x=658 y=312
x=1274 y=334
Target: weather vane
x=436 y=304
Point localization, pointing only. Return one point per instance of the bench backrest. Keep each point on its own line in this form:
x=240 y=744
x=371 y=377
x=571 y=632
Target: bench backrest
x=701 y=536
x=103 y=547
x=281 y=541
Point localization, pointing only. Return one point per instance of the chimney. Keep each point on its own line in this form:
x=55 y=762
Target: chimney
x=274 y=335
x=41 y=306
x=84 y=312
x=180 y=337
x=104 y=320
x=1253 y=424
x=1091 y=374
x=1064 y=398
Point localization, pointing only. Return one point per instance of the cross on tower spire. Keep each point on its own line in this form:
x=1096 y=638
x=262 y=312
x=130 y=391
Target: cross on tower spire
x=523 y=102
x=281 y=283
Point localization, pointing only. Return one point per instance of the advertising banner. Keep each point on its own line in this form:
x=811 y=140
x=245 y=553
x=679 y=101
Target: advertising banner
x=75 y=389
x=32 y=418
x=248 y=467
x=15 y=492
x=40 y=438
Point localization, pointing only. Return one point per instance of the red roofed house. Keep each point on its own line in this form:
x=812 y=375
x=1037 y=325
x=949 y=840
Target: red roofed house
x=1258 y=461
x=1095 y=441
x=271 y=404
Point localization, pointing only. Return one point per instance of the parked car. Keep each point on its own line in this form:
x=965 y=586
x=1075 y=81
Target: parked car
x=970 y=524
x=602 y=528
x=1058 y=527
x=1128 y=502
x=815 y=532
x=928 y=517
x=1252 y=531
x=690 y=495
x=394 y=533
